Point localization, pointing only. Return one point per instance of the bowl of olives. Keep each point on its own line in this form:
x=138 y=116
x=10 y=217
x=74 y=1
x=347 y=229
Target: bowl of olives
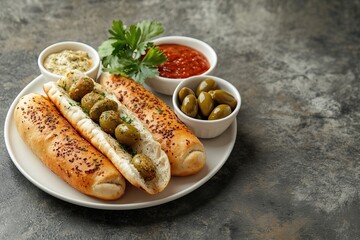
x=206 y=104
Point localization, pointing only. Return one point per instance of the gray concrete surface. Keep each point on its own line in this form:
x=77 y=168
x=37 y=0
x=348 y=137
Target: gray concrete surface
x=294 y=172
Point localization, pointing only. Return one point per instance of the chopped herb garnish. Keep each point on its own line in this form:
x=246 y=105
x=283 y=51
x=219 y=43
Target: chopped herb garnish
x=159 y=110
x=63 y=86
x=102 y=94
x=73 y=104
x=126 y=119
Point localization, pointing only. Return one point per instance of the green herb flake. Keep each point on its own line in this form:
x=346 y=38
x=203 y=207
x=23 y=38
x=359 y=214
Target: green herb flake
x=126 y=119
x=63 y=86
x=160 y=111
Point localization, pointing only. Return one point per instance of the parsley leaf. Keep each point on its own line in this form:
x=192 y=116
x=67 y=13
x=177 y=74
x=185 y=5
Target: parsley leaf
x=154 y=56
x=128 y=52
x=150 y=29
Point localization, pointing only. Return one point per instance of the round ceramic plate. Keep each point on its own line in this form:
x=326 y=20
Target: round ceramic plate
x=217 y=150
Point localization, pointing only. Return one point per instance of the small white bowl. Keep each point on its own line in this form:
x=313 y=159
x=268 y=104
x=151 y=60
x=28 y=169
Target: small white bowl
x=58 y=47
x=167 y=85
x=206 y=128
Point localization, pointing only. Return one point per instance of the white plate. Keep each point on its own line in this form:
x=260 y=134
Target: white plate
x=217 y=150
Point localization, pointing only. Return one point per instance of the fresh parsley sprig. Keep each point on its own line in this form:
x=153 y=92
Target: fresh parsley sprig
x=128 y=52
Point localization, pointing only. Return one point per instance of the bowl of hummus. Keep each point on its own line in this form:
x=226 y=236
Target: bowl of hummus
x=58 y=59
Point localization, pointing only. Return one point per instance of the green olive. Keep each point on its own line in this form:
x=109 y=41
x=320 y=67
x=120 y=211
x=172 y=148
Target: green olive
x=80 y=88
x=223 y=97
x=145 y=166
x=220 y=111
x=206 y=103
x=126 y=134
x=211 y=92
x=102 y=106
x=189 y=106
x=109 y=120
x=206 y=85
x=89 y=100
x=184 y=92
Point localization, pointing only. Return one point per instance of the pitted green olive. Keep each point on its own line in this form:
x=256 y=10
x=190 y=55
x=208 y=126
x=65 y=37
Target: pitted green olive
x=206 y=103
x=223 y=97
x=220 y=111
x=102 y=106
x=109 y=120
x=211 y=92
x=80 y=88
x=206 y=85
x=184 y=92
x=190 y=106
x=126 y=134
x=145 y=166
x=89 y=100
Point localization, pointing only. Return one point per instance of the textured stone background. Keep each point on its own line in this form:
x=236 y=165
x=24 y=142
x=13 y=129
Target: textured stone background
x=294 y=172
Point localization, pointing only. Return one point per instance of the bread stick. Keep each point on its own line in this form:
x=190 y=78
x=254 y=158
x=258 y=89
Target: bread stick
x=185 y=151
x=64 y=151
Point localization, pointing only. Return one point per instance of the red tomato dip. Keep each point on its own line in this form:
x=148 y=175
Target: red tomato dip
x=182 y=61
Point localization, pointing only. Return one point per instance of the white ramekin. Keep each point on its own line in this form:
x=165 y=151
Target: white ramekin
x=167 y=85
x=68 y=45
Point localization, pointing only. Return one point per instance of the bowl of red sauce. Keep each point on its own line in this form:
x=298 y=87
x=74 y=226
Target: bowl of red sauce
x=186 y=57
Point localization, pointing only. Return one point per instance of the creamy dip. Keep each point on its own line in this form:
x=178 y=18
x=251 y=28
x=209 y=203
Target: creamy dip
x=66 y=60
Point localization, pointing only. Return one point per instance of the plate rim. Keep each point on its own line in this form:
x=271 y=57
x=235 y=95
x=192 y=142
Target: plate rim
x=104 y=206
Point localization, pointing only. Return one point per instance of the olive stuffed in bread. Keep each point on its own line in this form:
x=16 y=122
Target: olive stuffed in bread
x=113 y=129
x=186 y=153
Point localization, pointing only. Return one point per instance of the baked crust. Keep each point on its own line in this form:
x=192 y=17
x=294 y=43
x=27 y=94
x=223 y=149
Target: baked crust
x=104 y=142
x=64 y=151
x=185 y=151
